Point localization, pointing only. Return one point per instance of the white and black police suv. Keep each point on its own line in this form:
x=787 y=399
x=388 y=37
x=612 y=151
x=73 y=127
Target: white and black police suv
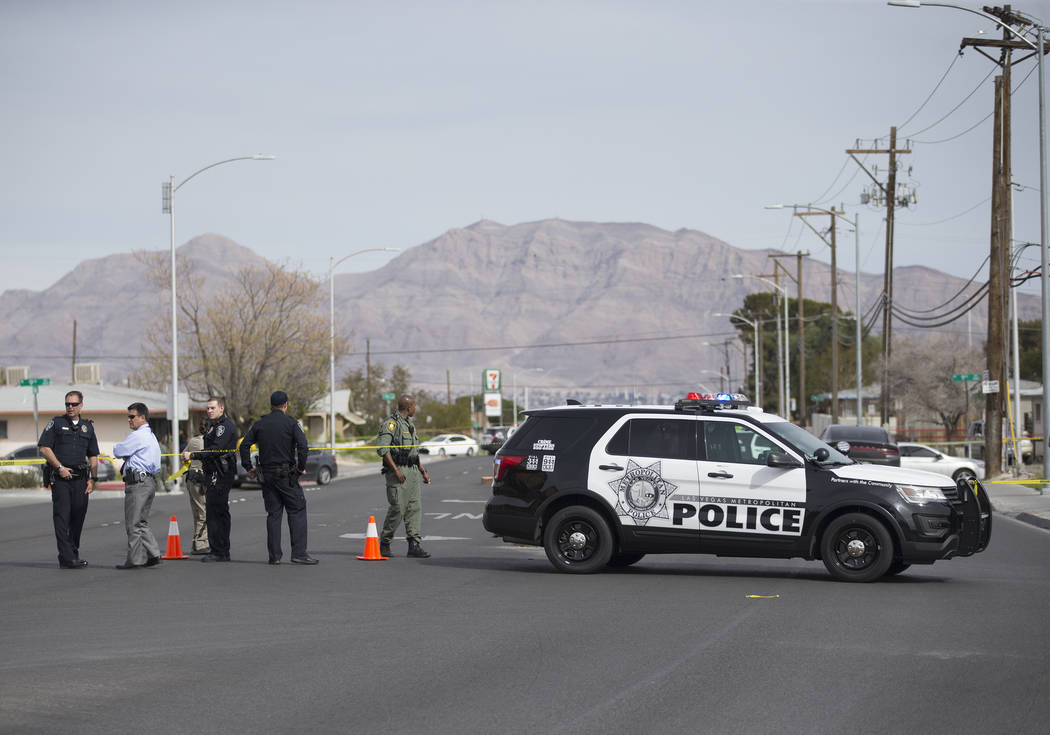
x=601 y=486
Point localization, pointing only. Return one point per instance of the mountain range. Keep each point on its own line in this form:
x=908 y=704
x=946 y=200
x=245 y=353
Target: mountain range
x=559 y=306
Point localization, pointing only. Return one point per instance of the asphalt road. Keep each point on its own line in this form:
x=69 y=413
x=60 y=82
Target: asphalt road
x=485 y=636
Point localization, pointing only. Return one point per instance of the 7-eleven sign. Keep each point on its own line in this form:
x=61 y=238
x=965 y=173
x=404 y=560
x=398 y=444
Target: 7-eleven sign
x=492 y=379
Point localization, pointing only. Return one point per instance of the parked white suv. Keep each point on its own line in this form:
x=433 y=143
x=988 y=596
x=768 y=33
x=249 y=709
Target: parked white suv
x=922 y=457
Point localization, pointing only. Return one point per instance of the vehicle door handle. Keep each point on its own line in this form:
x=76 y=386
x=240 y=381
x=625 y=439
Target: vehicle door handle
x=721 y=475
x=611 y=467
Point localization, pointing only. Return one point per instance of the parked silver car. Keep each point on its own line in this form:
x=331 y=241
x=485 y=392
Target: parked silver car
x=921 y=457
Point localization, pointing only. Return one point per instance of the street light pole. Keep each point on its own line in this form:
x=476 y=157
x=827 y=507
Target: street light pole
x=1040 y=52
x=168 y=190
x=332 y=263
x=754 y=350
x=782 y=367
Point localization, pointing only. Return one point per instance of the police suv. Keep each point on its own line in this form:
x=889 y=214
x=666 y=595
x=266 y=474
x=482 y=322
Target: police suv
x=601 y=486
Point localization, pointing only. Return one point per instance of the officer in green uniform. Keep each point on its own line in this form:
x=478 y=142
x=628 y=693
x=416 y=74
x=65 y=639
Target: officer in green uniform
x=399 y=450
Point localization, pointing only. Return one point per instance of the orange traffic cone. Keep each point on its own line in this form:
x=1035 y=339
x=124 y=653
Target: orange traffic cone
x=372 y=542
x=174 y=541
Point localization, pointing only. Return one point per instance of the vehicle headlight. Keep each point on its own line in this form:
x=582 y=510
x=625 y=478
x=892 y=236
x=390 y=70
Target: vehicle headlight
x=920 y=493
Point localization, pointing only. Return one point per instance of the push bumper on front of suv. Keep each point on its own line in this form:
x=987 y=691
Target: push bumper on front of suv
x=964 y=530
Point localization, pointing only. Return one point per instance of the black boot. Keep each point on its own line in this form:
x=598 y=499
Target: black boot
x=414 y=549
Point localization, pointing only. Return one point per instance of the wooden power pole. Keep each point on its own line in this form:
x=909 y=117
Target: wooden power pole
x=1000 y=236
x=890 y=195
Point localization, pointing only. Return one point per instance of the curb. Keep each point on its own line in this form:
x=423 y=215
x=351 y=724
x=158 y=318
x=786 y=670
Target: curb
x=1032 y=519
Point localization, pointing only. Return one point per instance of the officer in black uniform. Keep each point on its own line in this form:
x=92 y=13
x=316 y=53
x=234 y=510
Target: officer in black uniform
x=219 y=462
x=70 y=449
x=282 y=461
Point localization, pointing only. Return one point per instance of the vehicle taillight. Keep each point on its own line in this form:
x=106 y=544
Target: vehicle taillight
x=501 y=464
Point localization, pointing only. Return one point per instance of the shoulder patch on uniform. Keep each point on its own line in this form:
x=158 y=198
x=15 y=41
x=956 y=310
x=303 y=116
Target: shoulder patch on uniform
x=220 y=430
x=84 y=428
x=391 y=425
x=50 y=425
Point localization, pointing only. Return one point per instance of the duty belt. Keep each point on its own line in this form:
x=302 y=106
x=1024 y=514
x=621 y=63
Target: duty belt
x=136 y=475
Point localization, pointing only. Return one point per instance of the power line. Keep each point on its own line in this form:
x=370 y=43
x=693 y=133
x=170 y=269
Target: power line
x=955 y=57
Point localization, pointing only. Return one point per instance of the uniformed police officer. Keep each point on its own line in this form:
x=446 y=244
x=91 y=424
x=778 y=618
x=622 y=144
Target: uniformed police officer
x=282 y=461
x=399 y=450
x=195 y=488
x=70 y=448
x=219 y=463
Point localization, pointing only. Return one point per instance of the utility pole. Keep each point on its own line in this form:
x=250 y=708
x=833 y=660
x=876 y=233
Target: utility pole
x=1001 y=232
x=890 y=195
x=802 y=402
x=831 y=243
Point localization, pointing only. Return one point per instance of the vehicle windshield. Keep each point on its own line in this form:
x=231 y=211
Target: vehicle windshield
x=440 y=438
x=805 y=442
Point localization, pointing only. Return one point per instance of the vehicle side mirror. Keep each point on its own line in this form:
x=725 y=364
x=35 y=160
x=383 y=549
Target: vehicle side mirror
x=843 y=446
x=782 y=459
x=938 y=457
x=821 y=454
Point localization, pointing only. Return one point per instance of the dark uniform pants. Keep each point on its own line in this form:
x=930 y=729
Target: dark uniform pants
x=281 y=492
x=69 y=504
x=217 y=514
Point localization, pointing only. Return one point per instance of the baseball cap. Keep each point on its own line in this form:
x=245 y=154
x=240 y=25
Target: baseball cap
x=278 y=398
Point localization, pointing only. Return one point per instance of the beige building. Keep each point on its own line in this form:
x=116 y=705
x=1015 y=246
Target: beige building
x=106 y=406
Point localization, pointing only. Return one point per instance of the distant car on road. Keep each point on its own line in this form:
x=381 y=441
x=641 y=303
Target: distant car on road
x=450 y=445
x=865 y=443
x=321 y=467
x=921 y=457
x=493 y=437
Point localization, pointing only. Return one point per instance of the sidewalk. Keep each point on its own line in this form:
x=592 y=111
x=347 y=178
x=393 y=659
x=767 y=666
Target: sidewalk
x=1021 y=501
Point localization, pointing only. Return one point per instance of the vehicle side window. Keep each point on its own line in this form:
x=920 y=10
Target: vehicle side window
x=919 y=452
x=661 y=438
x=731 y=442
x=456 y=438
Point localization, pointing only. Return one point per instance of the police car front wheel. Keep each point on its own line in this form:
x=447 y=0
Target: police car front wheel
x=578 y=539
x=856 y=548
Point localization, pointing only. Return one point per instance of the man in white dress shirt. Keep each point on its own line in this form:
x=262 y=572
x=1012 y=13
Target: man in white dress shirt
x=141 y=454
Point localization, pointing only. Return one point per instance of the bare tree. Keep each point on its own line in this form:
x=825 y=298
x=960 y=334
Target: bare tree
x=243 y=336
x=921 y=378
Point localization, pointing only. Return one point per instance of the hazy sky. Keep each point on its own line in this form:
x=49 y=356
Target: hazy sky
x=395 y=121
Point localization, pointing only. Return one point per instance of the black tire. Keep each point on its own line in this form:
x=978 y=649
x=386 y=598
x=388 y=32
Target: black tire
x=897 y=567
x=470 y=451
x=856 y=547
x=621 y=560
x=324 y=474
x=960 y=474
x=441 y=452
x=578 y=540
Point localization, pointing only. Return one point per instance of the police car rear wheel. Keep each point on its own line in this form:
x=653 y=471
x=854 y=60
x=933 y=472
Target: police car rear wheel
x=619 y=561
x=968 y=474
x=856 y=548
x=324 y=476
x=578 y=540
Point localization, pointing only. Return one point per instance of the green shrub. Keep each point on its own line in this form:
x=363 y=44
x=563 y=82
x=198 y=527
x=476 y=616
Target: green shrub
x=26 y=477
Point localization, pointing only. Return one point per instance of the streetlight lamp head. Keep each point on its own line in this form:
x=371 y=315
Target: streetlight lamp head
x=774 y=206
x=905 y=3
x=263 y=157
